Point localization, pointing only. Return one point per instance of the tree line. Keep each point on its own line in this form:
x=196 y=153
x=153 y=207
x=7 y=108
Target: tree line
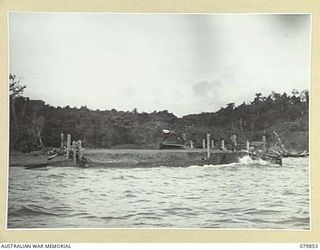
x=35 y=124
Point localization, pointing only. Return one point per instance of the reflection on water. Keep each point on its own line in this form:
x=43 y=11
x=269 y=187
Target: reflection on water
x=244 y=195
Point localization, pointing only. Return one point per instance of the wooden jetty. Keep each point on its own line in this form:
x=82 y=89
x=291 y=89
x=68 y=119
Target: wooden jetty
x=164 y=156
x=156 y=158
x=73 y=154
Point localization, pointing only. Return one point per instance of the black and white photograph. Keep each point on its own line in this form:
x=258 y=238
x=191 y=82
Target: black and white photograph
x=159 y=121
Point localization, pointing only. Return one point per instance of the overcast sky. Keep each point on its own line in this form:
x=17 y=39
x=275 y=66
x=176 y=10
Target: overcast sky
x=181 y=63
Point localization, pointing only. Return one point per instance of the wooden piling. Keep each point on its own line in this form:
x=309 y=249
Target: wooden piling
x=184 y=137
x=264 y=144
x=191 y=144
x=248 y=146
x=80 y=150
x=222 y=145
x=203 y=143
x=74 y=150
x=68 y=146
x=212 y=144
x=208 y=146
x=62 y=142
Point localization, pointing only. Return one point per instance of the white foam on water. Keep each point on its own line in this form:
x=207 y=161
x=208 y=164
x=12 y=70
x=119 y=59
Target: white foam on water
x=262 y=162
x=247 y=160
x=214 y=166
x=194 y=166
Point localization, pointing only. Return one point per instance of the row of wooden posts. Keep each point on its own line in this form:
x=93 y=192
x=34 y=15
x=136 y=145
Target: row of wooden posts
x=209 y=144
x=76 y=149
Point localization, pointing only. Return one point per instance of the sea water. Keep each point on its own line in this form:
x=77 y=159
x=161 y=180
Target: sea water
x=245 y=195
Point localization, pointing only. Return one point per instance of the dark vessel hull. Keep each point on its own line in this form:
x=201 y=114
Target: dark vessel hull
x=171 y=146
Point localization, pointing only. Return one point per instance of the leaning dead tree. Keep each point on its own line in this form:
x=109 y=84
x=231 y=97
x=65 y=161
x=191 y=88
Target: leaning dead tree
x=15 y=91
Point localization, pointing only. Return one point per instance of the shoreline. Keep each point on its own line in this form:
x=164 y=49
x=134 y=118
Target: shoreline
x=131 y=158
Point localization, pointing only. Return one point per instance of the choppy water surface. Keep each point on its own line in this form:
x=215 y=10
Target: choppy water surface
x=245 y=195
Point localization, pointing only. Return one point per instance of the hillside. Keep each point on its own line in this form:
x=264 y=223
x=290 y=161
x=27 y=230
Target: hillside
x=35 y=124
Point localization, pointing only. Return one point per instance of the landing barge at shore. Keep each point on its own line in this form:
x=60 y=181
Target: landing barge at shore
x=155 y=158
x=129 y=158
x=169 y=155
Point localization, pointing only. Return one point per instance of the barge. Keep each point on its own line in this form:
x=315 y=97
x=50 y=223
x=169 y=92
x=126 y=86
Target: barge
x=168 y=154
x=156 y=158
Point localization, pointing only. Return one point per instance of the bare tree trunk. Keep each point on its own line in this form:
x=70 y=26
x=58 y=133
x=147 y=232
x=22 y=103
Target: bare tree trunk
x=15 y=123
x=40 y=141
x=40 y=137
x=252 y=125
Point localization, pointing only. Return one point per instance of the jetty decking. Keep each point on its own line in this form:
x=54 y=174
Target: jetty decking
x=75 y=155
x=154 y=158
x=127 y=158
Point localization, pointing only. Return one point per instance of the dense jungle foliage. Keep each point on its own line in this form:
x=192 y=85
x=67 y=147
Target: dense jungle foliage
x=35 y=124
